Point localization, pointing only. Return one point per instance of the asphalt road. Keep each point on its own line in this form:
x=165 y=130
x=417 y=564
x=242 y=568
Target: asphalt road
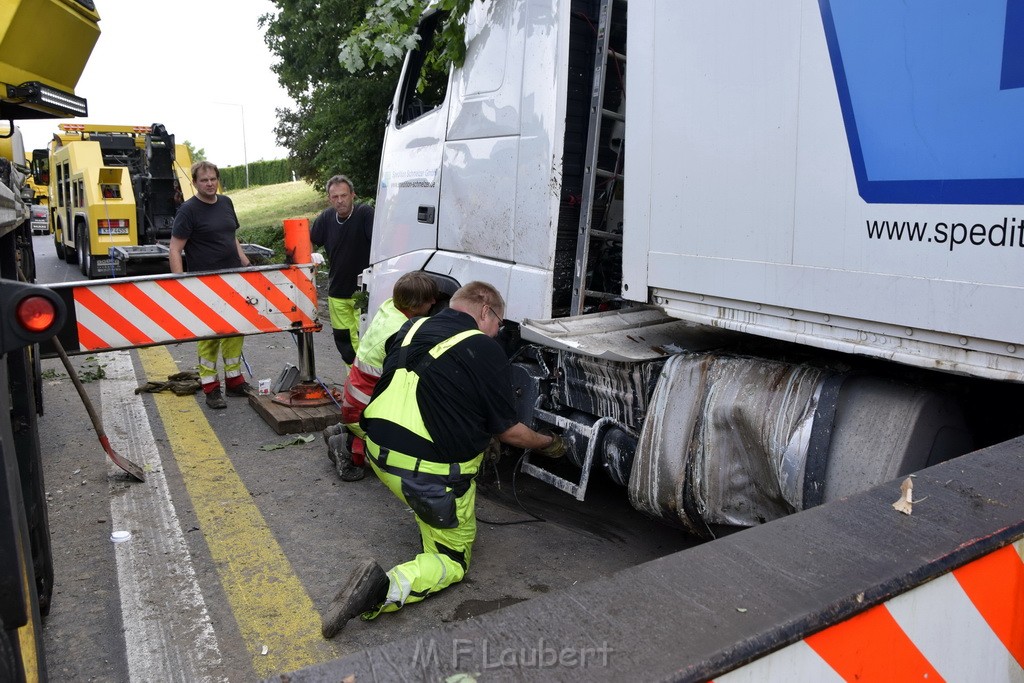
x=236 y=547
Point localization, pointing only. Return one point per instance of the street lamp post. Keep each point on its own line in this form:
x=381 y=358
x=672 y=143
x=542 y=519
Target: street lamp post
x=245 y=154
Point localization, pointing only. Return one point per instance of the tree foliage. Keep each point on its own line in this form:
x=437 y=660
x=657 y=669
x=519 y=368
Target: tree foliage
x=196 y=154
x=337 y=124
x=340 y=61
x=389 y=31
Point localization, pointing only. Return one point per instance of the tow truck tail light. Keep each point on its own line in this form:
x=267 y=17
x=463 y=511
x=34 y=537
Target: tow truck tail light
x=29 y=314
x=36 y=314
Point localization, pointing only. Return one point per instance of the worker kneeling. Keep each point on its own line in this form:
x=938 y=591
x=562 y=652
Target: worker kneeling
x=445 y=391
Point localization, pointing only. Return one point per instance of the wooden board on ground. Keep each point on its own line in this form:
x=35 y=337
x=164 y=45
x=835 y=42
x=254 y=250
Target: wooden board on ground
x=294 y=419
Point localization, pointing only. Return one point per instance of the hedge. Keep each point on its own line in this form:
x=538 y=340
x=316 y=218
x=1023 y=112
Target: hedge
x=260 y=173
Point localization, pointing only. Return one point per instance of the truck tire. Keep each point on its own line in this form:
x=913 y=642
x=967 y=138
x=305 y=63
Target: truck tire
x=26 y=253
x=28 y=558
x=84 y=250
x=8 y=663
x=58 y=244
x=37 y=378
x=21 y=650
x=71 y=254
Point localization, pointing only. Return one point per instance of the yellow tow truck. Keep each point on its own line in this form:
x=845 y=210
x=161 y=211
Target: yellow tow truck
x=113 y=194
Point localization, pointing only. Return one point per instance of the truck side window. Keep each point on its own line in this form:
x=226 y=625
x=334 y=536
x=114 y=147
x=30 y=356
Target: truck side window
x=425 y=84
x=40 y=167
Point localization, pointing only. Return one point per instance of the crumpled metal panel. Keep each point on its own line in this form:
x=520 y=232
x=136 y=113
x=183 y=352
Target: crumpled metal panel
x=725 y=442
x=628 y=335
x=604 y=388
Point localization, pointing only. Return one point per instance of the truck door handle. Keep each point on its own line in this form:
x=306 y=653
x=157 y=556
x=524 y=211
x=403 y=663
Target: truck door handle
x=425 y=214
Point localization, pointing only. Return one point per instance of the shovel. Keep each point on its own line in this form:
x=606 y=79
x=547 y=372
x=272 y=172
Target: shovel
x=124 y=463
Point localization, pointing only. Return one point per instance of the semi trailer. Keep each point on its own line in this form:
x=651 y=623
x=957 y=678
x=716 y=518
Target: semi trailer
x=756 y=257
x=761 y=264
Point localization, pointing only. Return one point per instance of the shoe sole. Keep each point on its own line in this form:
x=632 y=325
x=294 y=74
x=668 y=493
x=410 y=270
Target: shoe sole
x=338 y=613
x=351 y=472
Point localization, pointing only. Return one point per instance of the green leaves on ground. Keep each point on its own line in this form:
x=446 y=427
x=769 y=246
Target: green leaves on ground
x=294 y=441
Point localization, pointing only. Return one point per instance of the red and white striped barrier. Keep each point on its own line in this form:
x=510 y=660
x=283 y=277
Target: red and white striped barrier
x=134 y=312
x=967 y=625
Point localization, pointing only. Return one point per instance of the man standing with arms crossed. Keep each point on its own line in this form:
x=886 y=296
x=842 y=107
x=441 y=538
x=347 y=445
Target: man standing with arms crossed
x=344 y=228
x=207 y=224
x=446 y=390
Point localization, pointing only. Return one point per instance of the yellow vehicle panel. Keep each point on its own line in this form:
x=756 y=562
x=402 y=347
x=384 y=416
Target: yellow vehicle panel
x=29 y=30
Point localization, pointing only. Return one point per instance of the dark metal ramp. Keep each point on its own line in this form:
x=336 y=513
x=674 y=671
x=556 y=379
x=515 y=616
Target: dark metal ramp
x=698 y=613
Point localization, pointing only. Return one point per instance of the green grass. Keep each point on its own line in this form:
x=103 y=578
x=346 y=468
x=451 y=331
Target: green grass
x=263 y=210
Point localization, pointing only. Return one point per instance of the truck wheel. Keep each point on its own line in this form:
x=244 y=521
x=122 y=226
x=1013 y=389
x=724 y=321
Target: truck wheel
x=8 y=664
x=37 y=378
x=21 y=650
x=71 y=254
x=58 y=245
x=84 y=251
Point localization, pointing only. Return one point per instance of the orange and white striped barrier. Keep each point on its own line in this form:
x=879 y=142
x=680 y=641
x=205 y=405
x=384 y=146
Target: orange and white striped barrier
x=163 y=309
x=967 y=625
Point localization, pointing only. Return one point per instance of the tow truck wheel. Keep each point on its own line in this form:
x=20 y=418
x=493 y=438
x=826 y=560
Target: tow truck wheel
x=71 y=255
x=84 y=251
x=58 y=244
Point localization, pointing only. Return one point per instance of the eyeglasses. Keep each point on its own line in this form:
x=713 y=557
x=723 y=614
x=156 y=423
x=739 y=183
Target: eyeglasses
x=501 y=321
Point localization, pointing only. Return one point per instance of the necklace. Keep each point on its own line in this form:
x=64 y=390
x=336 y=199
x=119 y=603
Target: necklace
x=343 y=222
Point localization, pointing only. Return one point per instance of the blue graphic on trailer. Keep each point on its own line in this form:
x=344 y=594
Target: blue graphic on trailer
x=932 y=93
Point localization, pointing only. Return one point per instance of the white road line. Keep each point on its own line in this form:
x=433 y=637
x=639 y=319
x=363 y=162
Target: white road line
x=168 y=632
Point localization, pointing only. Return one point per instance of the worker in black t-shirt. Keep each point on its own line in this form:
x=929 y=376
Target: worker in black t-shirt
x=445 y=391
x=344 y=229
x=207 y=223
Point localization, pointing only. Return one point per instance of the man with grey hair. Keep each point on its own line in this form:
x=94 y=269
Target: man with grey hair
x=344 y=229
x=445 y=392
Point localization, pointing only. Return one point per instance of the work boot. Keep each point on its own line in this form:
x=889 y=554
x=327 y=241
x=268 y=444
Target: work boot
x=329 y=431
x=351 y=472
x=215 y=400
x=243 y=389
x=340 y=454
x=367 y=588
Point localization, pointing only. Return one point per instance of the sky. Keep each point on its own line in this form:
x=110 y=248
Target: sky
x=195 y=66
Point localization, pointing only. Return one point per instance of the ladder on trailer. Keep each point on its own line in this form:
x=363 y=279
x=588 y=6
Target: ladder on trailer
x=604 y=57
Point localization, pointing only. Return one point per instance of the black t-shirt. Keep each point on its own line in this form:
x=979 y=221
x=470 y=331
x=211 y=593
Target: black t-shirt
x=348 y=246
x=210 y=233
x=464 y=395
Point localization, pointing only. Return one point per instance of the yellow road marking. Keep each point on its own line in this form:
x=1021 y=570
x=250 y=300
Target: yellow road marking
x=269 y=602
x=27 y=633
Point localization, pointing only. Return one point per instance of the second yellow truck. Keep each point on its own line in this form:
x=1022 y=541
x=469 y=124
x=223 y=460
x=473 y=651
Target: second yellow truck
x=113 y=193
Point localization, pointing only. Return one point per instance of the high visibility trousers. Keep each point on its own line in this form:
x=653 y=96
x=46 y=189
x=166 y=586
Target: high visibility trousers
x=345 y=323
x=439 y=565
x=230 y=348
